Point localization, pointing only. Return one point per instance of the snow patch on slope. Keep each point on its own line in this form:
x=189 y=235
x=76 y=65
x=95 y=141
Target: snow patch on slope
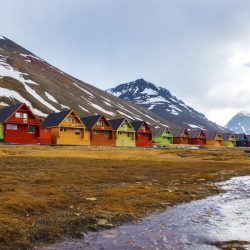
x=14 y=95
x=50 y=97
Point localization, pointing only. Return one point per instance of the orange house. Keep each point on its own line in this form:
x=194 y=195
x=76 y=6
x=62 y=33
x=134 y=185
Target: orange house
x=100 y=129
x=213 y=138
x=66 y=128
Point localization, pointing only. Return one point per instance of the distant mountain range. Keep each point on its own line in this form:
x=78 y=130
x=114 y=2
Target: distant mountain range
x=161 y=102
x=240 y=123
x=25 y=77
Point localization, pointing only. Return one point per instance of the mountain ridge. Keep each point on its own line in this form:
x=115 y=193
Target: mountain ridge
x=160 y=101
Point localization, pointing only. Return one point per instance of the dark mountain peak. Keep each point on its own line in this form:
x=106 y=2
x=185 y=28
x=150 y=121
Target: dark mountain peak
x=163 y=103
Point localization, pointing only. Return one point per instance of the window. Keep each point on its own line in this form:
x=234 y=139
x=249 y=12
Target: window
x=77 y=131
x=21 y=115
x=100 y=123
x=143 y=127
x=119 y=133
x=70 y=120
x=31 y=129
x=106 y=133
x=128 y=134
x=11 y=126
x=63 y=129
x=96 y=132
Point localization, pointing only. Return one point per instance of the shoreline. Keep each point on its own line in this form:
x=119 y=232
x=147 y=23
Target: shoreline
x=48 y=194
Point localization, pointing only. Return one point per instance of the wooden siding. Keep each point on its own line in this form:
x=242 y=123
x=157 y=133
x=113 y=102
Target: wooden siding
x=1 y=131
x=125 y=139
x=45 y=136
x=21 y=135
x=68 y=136
x=214 y=142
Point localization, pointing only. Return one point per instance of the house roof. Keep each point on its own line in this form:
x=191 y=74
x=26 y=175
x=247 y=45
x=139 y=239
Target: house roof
x=90 y=121
x=116 y=123
x=137 y=124
x=8 y=111
x=240 y=137
x=226 y=136
x=210 y=135
x=160 y=130
x=177 y=132
x=55 y=119
x=195 y=133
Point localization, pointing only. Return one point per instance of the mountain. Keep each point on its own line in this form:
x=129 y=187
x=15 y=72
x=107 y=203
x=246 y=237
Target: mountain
x=25 y=77
x=160 y=101
x=240 y=123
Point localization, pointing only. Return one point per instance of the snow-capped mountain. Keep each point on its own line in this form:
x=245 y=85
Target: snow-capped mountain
x=25 y=77
x=160 y=101
x=240 y=123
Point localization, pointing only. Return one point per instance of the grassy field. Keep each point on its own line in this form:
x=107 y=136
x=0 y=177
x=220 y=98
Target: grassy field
x=47 y=193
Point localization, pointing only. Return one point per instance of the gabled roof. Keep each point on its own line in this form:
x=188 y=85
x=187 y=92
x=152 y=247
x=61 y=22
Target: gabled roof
x=240 y=137
x=226 y=136
x=55 y=119
x=160 y=130
x=195 y=133
x=137 y=125
x=177 y=132
x=116 y=123
x=210 y=135
x=90 y=121
x=5 y=113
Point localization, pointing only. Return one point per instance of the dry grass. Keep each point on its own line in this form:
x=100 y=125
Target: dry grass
x=43 y=190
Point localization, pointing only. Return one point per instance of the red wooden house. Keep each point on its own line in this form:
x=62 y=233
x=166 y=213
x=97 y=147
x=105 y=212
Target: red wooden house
x=143 y=134
x=180 y=136
x=100 y=129
x=197 y=137
x=20 y=125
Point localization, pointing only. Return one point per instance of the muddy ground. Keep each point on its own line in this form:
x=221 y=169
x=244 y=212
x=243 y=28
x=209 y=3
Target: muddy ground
x=48 y=193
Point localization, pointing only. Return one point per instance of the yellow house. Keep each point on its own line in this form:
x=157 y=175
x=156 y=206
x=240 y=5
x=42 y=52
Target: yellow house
x=67 y=128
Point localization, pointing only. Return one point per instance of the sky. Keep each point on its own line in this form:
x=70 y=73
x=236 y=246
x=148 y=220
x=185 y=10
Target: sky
x=198 y=49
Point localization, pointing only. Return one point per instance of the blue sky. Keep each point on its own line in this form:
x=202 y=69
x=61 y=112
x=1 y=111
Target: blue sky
x=199 y=50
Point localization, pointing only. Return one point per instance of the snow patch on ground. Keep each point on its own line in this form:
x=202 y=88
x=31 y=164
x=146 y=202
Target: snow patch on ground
x=50 y=97
x=83 y=108
x=64 y=106
x=194 y=126
x=86 y=91
x=96 y=106
x=107 y=103
x=14 y=95
x=124 y=114
x=32 y=56
x=4 y=104
x=8 y=71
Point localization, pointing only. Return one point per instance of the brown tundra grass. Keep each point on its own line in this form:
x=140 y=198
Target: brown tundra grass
x=47 y=193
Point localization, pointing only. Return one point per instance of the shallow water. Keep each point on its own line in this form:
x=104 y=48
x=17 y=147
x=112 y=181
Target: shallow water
x=192 y=225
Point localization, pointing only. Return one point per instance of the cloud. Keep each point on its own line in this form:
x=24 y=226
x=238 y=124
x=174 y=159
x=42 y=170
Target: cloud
x=199 y=50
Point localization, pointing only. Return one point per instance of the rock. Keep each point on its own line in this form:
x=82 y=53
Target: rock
x=102 y=222
x=91 y=199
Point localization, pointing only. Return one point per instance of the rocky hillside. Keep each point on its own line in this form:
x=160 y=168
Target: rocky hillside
x=240 y=123
x=24 y=77
x=160 y=101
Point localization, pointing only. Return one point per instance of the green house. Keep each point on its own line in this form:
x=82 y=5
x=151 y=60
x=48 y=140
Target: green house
x=124 y=132
x=162 y=136
x=228 y=140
